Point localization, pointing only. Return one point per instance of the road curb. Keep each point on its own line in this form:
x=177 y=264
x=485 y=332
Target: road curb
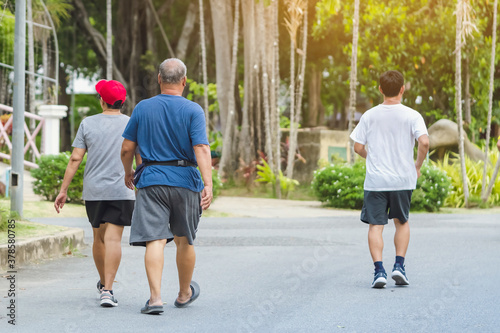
x=45 y=247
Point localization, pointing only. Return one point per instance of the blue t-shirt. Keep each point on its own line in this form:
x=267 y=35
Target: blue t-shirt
x=166 y=127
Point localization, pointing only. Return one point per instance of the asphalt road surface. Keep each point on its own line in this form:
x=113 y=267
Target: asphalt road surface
x=280 y=275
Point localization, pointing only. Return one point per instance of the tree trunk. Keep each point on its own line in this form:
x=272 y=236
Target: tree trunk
x=265 y=84
x=302 y=72
x=486 y=193
x=46 y=68
x=227 y=158
x=246 y=141
x=204 y=64
x=109 y=41
x=468 y=116
x=221 y=26
x=134 y=55
x=187 y=31
x=291 y=144
x=276 y=78
x=311 y=114
x=65 y=99
x=296 y=97
x=458 y=103
x=162 y=30
x=354 y=75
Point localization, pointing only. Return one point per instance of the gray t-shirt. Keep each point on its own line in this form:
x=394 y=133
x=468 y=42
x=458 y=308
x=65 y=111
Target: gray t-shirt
x=104 y=176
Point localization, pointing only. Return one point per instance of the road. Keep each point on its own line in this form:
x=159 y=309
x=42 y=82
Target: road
x=292 y=274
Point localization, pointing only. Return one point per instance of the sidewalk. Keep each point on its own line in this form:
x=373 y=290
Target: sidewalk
x=274 y=208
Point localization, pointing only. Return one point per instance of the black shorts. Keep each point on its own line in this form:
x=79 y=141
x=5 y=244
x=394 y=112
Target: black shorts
x=378 y=207
x=117 y=212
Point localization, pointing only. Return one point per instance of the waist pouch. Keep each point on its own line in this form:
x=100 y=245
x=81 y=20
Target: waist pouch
x=140 y=168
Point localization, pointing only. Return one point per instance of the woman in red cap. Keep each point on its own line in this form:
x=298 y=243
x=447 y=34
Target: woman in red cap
x=109 y=203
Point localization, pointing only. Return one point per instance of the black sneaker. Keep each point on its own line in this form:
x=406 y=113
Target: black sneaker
x=108 y=300
x=399 y=275
x=379 y=280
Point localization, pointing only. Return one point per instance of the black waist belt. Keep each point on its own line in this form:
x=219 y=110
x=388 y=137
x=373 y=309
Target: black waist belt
x=140 y=167
x=183 y=163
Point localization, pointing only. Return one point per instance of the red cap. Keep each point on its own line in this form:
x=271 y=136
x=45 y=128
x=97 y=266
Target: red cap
x=111 y=91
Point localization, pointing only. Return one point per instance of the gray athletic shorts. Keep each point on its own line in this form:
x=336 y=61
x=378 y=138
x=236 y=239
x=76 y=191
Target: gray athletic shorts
x=378 y=207
x=162 y=212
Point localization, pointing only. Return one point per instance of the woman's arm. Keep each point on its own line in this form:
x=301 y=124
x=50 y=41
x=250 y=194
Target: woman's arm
x=74 y=163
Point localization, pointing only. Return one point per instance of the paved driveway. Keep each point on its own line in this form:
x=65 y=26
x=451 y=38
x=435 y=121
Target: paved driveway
x=282 y=275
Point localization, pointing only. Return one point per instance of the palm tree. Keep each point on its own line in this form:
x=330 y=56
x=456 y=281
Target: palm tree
x=486 y=193
x=295 y=11
x=354 y=75
x=464 y=27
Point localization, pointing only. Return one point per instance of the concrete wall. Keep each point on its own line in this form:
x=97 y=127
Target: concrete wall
x=315 y=145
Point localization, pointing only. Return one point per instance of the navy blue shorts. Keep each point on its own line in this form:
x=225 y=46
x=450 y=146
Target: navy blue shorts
x=379 y=207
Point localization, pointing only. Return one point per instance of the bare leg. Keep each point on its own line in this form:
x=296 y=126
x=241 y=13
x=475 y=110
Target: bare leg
x=99 y=250
x=186 y=258
x=376 y=241
x=401 y=237
x=113 y=256
x=154 y=269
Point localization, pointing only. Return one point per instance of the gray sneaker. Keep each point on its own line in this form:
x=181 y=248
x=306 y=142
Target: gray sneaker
x=108 y=300
x=100 y=287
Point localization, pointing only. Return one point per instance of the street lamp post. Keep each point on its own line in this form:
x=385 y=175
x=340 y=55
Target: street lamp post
x=16 y=179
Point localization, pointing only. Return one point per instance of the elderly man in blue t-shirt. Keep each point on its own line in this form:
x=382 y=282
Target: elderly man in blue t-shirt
x=172 y=139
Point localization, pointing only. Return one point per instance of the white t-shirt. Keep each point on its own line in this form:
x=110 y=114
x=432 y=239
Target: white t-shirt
x=389 y=133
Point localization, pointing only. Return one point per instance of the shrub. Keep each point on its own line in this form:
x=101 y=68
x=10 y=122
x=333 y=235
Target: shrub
x=340 y=185
x=433 y=187
x=267 y=176
x=49 y=176
x=451 y=165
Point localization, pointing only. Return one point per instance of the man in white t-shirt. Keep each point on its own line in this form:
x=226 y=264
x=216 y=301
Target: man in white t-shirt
x=386 y=136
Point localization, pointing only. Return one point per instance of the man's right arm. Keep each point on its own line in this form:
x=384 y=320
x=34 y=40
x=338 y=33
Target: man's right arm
x=360 y=149
x=204 y=160
x=423 y=148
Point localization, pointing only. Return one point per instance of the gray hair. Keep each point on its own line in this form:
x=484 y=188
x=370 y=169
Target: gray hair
x=172 y=71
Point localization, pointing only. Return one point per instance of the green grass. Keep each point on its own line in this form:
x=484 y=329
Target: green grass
x=26 y=229
x=37 y=209
x=303 y=193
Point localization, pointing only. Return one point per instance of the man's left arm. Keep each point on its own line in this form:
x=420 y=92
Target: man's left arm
x=423 y=148
x=127 y=155
x=204 y=160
